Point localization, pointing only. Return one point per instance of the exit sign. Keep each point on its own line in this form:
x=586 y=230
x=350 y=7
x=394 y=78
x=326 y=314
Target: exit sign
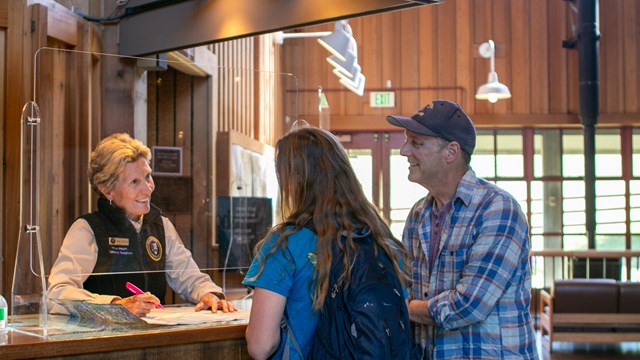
x=382 y=99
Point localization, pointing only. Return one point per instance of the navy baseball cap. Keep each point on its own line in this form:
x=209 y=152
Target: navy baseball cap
x=442 y=118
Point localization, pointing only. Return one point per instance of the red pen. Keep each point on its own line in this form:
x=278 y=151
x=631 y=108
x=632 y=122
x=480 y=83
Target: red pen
x=136 y=290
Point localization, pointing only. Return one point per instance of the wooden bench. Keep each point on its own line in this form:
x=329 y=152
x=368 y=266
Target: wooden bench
x=590 y=311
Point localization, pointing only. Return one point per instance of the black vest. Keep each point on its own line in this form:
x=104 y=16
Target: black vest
x=123 y=255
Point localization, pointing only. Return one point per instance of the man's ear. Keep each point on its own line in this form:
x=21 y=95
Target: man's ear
x=453 y=150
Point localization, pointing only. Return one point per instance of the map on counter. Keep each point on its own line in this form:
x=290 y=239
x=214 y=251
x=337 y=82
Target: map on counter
x=100 y=313
x=187 y=315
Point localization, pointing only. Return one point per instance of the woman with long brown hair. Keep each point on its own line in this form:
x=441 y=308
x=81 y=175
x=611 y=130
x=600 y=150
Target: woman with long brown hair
x=323 y=208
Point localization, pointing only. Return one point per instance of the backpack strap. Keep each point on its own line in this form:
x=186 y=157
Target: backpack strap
x=291 y=339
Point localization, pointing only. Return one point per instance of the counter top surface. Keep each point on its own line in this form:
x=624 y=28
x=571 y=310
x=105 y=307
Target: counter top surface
x=70 y=336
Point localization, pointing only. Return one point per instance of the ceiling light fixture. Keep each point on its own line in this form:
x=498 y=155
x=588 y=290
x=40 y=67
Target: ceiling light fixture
x=344 y=49
x=339 y=41
x=493 y=90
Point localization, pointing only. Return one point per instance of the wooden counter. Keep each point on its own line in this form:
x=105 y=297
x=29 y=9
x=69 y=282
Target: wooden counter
x=224 y=341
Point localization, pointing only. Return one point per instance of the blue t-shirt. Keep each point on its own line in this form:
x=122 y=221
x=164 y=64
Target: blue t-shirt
x=290 y=277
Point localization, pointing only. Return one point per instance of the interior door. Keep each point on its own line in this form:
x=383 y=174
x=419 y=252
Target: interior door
x=383 y=172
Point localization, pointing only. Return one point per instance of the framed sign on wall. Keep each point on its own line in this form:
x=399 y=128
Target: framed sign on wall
x=167 y=160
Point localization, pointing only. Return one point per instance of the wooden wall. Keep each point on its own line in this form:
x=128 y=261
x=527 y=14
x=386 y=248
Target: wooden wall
x=431 y=52
x=85 y=96
x=39 y=57
x=251 y=88
x=4 y=23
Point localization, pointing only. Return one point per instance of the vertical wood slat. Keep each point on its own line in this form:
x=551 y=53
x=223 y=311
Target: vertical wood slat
x=371 y=65
x=557 y=76
x=427 y=59
x=390 y=54
x=409 y=61
x=203 y=183
x=482 y=32
x=464 y=56
x=631 y=60
x=45 y=81
x=260 y=51
x=86 y=85
x=183 y=121
x=182 y=138
x=520 y=35
x=607 y=28
x=152 y=108
x=19 y=80
x=235 y=110
x=446 y=53
x=3 y=111
x=267 y=91
x=314 y=75
x=166 y=108
x=57 y=169
x=539 y=69
x=612 y=56
x=501 y=25
x=572 y=76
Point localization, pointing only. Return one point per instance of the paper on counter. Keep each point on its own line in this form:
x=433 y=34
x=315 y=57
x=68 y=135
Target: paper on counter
x=187 y=315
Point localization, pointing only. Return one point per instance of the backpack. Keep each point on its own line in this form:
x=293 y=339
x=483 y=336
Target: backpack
x=369 y=318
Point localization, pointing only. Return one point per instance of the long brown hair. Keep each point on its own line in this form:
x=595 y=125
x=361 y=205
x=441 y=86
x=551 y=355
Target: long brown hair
x=318 y=184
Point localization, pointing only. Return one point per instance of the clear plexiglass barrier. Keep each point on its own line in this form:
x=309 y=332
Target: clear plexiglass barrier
x=214 y=189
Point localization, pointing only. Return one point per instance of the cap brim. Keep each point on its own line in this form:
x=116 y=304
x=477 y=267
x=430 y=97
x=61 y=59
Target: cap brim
x=409 y=124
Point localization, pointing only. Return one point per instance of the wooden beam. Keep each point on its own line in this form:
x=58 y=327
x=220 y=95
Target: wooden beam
x=62 y=24
x=191 y=23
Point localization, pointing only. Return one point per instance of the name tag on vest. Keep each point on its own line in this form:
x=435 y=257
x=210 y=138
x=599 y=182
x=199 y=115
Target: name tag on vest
x=114 y=241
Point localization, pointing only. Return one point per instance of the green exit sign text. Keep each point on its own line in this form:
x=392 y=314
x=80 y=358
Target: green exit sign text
x=382 y=99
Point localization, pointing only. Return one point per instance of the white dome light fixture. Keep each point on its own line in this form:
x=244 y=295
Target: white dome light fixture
x=493 y=90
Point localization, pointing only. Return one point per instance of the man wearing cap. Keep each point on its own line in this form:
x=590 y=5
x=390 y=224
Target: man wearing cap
x=468 y=242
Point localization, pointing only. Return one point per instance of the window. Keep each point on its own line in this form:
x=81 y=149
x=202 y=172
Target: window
x=544 y=169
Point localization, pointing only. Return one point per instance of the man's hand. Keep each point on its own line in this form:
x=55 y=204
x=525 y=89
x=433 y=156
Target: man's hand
x=419 y=312
x=210 y=301
x=139 y=305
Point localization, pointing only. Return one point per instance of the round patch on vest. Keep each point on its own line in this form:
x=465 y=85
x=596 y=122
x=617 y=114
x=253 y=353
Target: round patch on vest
x=154 y=248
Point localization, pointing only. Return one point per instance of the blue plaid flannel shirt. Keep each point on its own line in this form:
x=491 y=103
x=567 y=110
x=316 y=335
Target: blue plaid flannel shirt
x=479 y=289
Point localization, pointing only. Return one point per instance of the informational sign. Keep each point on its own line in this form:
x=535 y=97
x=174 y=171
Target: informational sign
x=241 y=221
x=382 y=99
x=167 y=160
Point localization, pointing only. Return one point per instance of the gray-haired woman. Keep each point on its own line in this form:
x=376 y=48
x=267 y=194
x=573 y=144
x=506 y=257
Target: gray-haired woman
x=127 y=240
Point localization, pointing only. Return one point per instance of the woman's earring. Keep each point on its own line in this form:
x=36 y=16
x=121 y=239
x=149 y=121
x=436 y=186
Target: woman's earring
x=110 y=203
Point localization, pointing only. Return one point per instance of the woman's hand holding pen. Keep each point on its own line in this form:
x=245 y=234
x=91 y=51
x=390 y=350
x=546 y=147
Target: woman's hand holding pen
x=210 y=301
x=139 y=305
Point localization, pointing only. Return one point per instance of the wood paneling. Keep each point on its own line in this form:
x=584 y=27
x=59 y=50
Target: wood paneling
x=4 y=14
x=38 y=40
x=631 y=51
x=19 y=81
x=235 y=86
x=431 y=52
x=558 y=58
x=3 y=46
x=539 y=43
